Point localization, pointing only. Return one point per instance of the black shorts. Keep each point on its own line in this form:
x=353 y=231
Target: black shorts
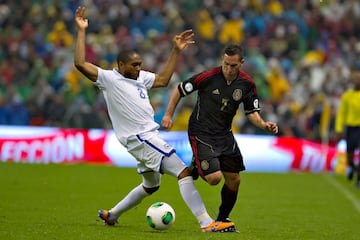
x=212 y=154
x=352 y=138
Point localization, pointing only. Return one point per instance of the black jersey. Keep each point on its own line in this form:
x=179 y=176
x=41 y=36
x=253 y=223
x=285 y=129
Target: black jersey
x=218 y=101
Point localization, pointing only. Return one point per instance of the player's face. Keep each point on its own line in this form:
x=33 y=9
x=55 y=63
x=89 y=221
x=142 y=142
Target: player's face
x=231 y=66
x=131 y=68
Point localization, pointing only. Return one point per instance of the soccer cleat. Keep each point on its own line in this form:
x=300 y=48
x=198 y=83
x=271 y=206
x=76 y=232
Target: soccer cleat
x=223 y=220
x=227 y=220
x=220 y=227
x=105 y=216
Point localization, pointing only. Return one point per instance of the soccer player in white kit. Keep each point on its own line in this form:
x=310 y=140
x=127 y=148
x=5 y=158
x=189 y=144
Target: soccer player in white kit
x=126 y=93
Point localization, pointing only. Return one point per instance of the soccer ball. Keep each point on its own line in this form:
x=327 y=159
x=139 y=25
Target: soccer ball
x=160 y=216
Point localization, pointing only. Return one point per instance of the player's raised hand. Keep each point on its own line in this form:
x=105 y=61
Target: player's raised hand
x=80 y=20
x=183 y=39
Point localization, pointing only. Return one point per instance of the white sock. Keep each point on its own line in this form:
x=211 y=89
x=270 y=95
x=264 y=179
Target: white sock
x=193 y=200
x=133 y=198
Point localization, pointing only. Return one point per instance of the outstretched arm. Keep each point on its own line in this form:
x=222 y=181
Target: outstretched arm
x=174 y=100
x=256 y=120
x=180 y=42
x=86 y=68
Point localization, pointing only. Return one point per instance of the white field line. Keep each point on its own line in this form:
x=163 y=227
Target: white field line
x=348 y=194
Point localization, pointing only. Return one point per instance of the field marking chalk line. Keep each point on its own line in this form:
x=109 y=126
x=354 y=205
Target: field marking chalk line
x=349 y=195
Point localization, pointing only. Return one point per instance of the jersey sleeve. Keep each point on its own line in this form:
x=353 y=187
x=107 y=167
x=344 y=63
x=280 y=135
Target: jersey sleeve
x=251 y=101
x=340 y=115
x=101 y=80
x=188 y=86
x=148 y=78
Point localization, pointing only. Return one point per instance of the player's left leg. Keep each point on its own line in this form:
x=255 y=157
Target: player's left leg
x=229 y=193
x=352 y=142
x=148 y=165
x=231 y=164
x=149 y=185
x=351 y=164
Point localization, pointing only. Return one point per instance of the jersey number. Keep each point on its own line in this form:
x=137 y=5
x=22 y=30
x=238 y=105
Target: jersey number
x=141 y=93
x=224 y=103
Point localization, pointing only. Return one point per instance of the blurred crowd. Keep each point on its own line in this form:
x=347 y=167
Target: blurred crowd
x=299 y=53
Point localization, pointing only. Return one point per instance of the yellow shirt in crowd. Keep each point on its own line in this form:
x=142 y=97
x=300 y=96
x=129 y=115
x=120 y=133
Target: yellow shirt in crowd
x=348 y=113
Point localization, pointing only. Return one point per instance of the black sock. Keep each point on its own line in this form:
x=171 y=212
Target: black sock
x=228 y=200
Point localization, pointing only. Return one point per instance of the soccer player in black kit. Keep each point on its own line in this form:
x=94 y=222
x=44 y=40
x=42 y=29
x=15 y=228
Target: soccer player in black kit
x=220 y=92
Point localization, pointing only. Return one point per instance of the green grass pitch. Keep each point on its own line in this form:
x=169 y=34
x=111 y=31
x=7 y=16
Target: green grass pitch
x=61 y=202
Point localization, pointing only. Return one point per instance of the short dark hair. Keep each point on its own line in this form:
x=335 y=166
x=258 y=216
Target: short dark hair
x=125 y=56
x=234 y=49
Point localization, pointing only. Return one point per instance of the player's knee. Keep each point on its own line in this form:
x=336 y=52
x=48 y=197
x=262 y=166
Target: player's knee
x=233 y=185
x=213 y=181
x=185 y=173
x=213 y=178
x=232 y=181
x=151 y=190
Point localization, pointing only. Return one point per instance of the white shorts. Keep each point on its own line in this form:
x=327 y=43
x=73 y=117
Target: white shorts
x=153 y=154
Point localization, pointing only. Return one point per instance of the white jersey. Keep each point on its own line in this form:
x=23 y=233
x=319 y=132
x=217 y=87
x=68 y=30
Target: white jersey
x=128 y=102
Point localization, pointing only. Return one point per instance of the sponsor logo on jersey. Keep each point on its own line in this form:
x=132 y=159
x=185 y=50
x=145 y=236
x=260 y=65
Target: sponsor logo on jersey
x=216 y=92
x=237 y=94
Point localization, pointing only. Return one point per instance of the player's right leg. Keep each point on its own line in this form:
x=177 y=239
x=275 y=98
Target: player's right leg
x=174 y=166
x=205 y=159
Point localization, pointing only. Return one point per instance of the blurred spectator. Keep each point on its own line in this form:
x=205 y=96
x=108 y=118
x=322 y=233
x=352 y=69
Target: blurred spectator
x=4 y=112
x=82 y=116
x=54 y=110
x=313 y=44
x=59 y=36
x=18 y=113
x=205 y=26
x=231 y=30
x=278 y=84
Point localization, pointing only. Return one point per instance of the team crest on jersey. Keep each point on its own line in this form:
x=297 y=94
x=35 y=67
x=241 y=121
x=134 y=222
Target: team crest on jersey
x=204 y=165
x=237 y=94
x=188 y=87
x=256 y=103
